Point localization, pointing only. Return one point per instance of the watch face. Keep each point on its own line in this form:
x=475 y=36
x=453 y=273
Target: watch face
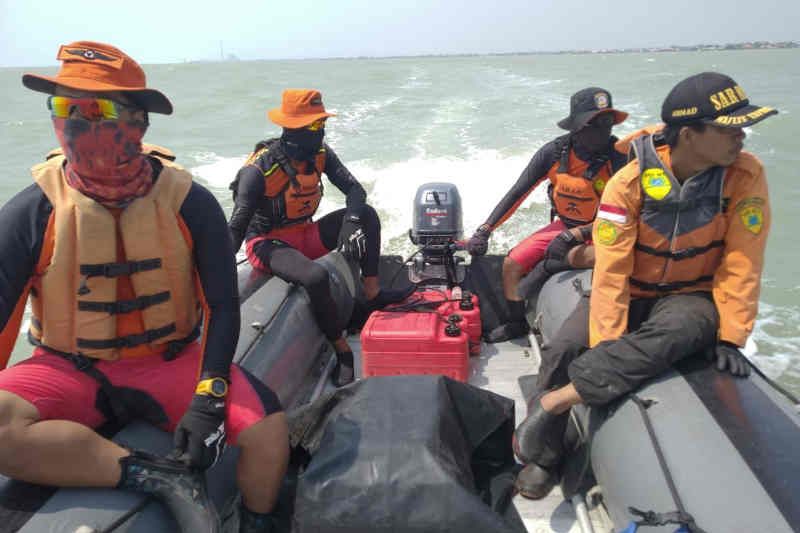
x=219 y=387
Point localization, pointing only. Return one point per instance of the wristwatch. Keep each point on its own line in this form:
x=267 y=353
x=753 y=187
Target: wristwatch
x=217 y=387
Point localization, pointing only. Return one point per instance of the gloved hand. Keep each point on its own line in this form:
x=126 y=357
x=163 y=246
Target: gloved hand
x=730 y=358
x=352 y=239
x=560 y=246
x=479 y=242
x=200 y=436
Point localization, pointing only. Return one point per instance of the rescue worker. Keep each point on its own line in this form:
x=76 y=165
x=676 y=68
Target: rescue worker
x=679 y=247
x=135 y=314
x=276 y=194
x=577 y=165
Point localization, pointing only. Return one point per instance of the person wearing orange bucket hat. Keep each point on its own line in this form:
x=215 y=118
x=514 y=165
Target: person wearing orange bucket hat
x=126 y=262
x=577 y=166
x=276 y=194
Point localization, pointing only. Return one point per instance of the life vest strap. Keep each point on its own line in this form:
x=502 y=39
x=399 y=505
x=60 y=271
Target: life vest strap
x=671 y=286
x=124 y=306
x=680 y=205
x=128 y=341
x=686 y=253
x=115 y=270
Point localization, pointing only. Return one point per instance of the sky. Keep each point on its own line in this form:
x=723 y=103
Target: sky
x=169 y=31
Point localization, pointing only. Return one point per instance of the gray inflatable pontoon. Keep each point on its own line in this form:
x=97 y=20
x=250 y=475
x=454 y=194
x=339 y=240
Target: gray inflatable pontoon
x=279 y=343
x=728 y=446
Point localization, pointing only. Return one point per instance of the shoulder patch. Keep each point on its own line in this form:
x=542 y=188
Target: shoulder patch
x=655 y=183
x=606 y=232
x=751 y=213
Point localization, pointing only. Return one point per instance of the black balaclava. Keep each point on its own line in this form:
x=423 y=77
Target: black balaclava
x=301 y=144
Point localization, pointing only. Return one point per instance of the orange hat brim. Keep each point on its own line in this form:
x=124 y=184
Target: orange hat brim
x=151 y=99
x=295 y=121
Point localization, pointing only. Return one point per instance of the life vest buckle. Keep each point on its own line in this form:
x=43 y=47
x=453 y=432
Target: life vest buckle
x=686 y=253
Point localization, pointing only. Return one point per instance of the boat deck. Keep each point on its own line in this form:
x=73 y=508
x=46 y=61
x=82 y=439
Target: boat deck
x=497 y=370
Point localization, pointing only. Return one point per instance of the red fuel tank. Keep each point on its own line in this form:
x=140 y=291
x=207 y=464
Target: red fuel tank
x=414 y=342
x=464 y=305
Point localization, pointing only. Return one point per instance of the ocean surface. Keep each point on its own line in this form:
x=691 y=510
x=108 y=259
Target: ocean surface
x=474 y=121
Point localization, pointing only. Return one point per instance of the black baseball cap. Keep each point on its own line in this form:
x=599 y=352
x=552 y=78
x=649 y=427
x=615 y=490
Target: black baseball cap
x=712 y=98
x=586 y=104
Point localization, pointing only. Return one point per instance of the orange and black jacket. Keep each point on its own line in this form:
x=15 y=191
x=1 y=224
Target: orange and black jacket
x=655 y=236
x=25 y=220
x=558 y=156
x=255 y=213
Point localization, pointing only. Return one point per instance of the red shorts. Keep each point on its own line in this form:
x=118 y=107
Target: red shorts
x=60 y=391
x=302 y=237
x=532 y=249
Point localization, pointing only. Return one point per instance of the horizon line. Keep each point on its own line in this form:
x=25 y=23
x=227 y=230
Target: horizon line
x=718 y=47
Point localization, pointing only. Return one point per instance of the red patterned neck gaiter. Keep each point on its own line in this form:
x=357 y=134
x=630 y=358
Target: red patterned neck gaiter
x=104 y=159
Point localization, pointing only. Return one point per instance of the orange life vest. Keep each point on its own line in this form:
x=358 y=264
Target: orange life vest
x=681 y=232
x=576 y=186
x=292 y=196
x=114 y=284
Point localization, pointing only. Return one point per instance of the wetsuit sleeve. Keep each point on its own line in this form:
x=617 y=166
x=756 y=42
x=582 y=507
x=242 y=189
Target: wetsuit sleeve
x=216 y=268
x=355 y=195
x=737 y=281
x=23 y=221
x=249 y=192
x=614 y=234
x=535 y=172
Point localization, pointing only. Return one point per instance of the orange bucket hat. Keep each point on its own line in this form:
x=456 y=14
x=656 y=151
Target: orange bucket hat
x=98 y=67
x=299 y=108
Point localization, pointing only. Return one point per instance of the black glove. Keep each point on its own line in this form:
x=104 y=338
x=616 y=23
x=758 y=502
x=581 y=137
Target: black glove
x=200 y=436
x=479 y=242
x=352 y=239
x=560 y=246
x=730 y=358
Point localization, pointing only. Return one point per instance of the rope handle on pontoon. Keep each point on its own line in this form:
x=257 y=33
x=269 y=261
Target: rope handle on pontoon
x=677 y=517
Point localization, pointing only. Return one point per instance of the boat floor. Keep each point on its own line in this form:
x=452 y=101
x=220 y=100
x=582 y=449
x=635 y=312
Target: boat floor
x=497 y=369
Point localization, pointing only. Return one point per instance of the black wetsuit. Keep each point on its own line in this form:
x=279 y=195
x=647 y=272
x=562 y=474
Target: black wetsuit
x=253 y=216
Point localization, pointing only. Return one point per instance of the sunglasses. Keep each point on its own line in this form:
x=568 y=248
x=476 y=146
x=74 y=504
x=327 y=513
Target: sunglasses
x=89 y=108
x=316 y=125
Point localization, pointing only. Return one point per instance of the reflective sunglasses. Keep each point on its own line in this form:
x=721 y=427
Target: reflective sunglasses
x=89 y=108
x=316 y=125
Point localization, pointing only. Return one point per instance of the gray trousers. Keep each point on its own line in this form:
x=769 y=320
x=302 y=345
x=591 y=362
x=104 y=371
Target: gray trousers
x=661 y=331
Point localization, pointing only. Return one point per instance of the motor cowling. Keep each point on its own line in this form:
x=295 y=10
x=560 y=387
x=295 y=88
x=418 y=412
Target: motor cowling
x=436 y=228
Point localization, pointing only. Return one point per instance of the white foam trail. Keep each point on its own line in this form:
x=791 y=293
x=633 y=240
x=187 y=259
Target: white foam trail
x=217 y=172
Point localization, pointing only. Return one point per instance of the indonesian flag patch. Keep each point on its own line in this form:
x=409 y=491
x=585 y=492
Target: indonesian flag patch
x=613 y=213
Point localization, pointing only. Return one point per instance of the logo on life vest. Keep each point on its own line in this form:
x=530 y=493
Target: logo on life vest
x=606 y=232
x=599 y=185
x=601 y=100
x=751 y=213
x=655 y=183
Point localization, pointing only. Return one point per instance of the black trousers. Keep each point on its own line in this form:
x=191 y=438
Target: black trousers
x=291 y=265
x=661 y=331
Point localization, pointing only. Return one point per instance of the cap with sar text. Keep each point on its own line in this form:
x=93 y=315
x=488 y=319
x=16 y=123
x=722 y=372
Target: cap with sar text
x=712 y=98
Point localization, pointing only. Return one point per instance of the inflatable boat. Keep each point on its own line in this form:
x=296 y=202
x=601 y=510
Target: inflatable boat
x=693 y=441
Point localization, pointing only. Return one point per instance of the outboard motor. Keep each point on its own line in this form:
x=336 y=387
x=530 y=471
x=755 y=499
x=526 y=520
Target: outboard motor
x=436 y=229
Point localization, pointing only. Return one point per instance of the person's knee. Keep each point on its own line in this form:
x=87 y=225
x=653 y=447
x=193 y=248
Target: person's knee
x=316 y=279
x=268 y=439
x=16 y=414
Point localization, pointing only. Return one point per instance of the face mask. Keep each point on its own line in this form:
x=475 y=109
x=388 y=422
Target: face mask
x=104 y=158
x=301 y=144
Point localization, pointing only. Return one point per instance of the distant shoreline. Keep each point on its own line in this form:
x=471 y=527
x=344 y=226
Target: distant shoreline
x=752 y=45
